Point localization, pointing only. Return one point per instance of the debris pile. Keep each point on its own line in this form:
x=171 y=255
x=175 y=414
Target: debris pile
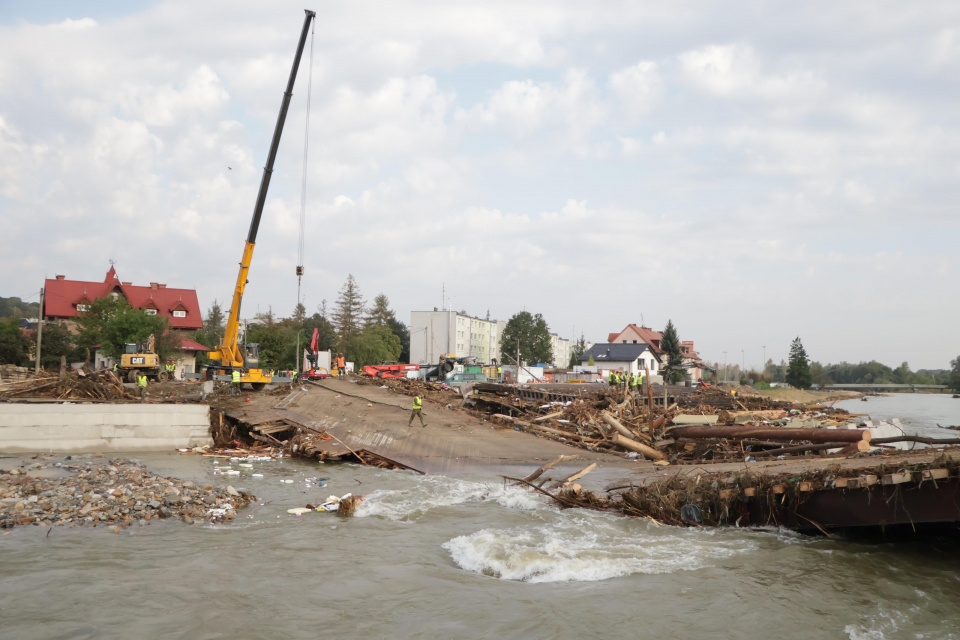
x=70 y=384
x=708 y=425
x=115 y=493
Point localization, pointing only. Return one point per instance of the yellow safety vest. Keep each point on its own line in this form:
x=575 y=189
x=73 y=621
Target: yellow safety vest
x=141 y=381
x=417 y=403
x=236 y=376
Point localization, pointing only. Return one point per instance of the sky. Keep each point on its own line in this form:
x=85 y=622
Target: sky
x=752 y=171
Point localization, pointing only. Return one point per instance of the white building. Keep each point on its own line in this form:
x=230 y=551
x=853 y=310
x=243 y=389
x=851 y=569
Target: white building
x=437 y=333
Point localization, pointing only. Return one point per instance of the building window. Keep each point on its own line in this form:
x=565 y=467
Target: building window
x=179 y=314
x=150 y=312
x=83 y=307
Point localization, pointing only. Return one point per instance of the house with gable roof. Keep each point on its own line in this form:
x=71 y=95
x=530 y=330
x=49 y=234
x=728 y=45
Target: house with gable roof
x=635 y=334
x=64 y=300
x=631 y=358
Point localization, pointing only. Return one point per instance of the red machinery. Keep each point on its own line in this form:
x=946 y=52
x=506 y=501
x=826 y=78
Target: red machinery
x=389 y=370
x=314 y=372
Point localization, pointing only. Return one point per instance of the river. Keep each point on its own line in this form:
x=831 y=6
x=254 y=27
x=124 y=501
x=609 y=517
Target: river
x=436 y=557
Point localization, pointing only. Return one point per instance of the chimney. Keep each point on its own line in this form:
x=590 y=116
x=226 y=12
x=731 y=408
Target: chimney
x=153 y=285
x=126 y=284
x=61 y=277
x=161 y=286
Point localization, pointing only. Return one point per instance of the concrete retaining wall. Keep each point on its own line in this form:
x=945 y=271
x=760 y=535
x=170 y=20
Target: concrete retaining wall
x=78 y=428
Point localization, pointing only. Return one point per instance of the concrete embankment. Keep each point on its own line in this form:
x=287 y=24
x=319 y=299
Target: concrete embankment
x=79 y=428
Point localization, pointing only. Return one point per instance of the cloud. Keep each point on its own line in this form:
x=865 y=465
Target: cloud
x=522 y=107
x=638 y=87
x=736 y=71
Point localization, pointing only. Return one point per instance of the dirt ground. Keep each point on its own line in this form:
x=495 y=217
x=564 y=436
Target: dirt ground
x=805 y=397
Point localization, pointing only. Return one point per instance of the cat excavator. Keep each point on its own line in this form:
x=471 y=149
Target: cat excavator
x=230 y=355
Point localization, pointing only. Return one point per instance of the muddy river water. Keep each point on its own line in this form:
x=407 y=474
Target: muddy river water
x=436 y=557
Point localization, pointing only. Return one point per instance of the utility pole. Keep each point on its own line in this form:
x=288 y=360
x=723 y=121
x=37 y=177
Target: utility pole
x=518 y=361
x=724 y=366
x=36 y=368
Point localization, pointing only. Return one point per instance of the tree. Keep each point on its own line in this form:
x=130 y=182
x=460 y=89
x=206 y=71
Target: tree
x=533 y=335
x=954 y=381
x=400 y=330
x=13 y=345
x=15 y=308
x=373 y=345
x=348 y=313
x=299 y=314
x=578 y=350
x=56 y=341
x=380 y=312
x=670 y=344
x=798 y=369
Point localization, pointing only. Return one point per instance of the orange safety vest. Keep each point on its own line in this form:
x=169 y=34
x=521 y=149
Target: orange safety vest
x=341 y=362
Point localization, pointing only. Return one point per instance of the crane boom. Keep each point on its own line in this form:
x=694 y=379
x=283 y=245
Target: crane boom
x=229 y=354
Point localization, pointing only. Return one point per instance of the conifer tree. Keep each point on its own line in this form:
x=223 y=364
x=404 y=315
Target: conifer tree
x=348 y=312
x=670 y=344
x=798 y=369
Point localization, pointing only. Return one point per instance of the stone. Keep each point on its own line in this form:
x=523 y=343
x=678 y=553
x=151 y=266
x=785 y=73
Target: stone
x=154 y=503
x=232 y=491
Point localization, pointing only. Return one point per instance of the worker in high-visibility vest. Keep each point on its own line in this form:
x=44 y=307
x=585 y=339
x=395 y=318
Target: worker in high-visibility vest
x=142 y=385
x=634 y=382
x=235 y=377
x=417 y=411
x=341 y=365
x=499 y=373
x=612 y=378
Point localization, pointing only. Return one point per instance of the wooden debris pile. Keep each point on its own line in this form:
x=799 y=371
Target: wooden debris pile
x=70 y=384
x=709 y=425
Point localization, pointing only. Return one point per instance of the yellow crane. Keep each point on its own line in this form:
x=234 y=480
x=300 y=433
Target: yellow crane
x=231 y=356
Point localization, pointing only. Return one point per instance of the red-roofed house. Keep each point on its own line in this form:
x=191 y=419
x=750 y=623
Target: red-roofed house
x=65 y=299
x=637 y=334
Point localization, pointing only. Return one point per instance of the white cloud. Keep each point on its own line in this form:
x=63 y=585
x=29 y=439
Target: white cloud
x=736 y=71
x=523 y=107
x=638 y=87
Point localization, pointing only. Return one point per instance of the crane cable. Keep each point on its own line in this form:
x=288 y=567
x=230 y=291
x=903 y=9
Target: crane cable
x=303 y=187
x=303 y=183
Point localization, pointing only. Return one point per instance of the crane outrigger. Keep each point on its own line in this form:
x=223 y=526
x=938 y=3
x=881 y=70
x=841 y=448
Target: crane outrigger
x=231 y=356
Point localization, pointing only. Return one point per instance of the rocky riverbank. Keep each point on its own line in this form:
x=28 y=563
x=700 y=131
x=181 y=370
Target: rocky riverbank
x=113 y=493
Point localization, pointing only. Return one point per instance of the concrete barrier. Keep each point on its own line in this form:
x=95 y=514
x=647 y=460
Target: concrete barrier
x=80 y=428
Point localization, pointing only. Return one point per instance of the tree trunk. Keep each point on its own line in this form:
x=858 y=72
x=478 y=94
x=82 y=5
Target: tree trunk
x=770 y=433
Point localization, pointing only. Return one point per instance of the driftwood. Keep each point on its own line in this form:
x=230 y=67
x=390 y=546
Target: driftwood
x=549 y=416
x=920 y=439
x=613 y=422
x=579 y=474
x=742 y=417
x=546 y=467
x=639 y=447
x=770 y=433
x=803 y=448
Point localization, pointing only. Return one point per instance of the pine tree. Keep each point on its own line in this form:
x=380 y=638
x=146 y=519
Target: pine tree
x=670 y=344
x=380 y=312
x=798 y=370
x=348 y=312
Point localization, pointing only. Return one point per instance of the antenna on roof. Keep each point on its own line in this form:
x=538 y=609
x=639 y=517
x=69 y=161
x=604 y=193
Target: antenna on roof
x=111 y=261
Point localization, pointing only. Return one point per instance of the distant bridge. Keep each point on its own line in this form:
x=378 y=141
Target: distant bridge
x=871 y=387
